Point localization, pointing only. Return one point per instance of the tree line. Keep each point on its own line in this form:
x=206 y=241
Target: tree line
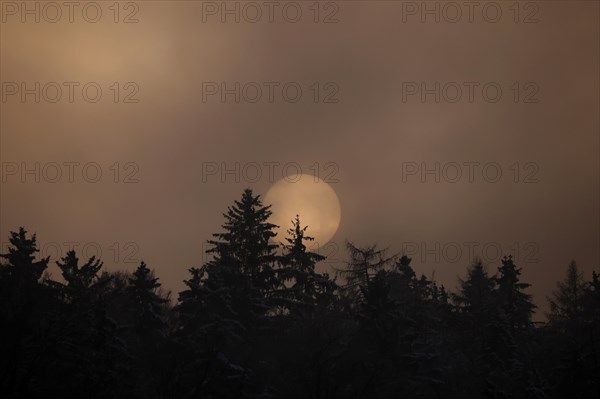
x=259 y=321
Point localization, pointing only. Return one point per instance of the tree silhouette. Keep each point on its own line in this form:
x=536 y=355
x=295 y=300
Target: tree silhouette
x=566 y=303
x=515 y=305
x=307 y=287
x=253 y=322
x=21 y=267
x=246 y=240
x=573 y=336
x=363 y=265
x=476 y=294
x=148 y=305
x=83 y=283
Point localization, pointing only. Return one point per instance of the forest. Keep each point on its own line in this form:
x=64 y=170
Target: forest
x=258 y=320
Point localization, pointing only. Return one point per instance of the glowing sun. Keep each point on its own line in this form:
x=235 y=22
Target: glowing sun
x=309 y=197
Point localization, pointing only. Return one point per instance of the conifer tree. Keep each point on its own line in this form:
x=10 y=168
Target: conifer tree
x=379 y=313
x=516 y=306
x=25 y=306
x=91 y=350
x=83 y=284
x=476 y=294
x=246 y=241
x=576 y=354
x=298 y=269
x=477 y=302
x=406 y=287
x=566 y=302
x=363 y=265
x=229 y=294
x=148 y=304
x=592 y=301
x=21 y=268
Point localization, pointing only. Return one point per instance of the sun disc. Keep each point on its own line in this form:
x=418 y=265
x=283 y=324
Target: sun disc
x=312 y=199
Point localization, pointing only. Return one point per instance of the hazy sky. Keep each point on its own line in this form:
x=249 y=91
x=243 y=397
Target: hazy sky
x=386 y=93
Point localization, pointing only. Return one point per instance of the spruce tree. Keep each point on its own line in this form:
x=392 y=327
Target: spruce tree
x=147 y=303
x=516 y=306
x=592 y=301
x=229 y=295
x=83 y=284
x=477 y=302
x=91 y=350
x=231 y=291
x=21 y=267
x=307 y=287
x=576 y=354
x=379 y=313
x=246 y=241
x=406 y=287
x=476 y=295
x=25 y=311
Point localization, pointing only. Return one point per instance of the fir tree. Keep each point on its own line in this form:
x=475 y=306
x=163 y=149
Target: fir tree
x=576 y=364
x=21 y=267
x=516 y=306
x=476 y=295
x=477 y=302
x=83 y=284
x=148 y=304
x=298 y=269
x=25 y=308
x=379 y=313
x=247 y=240
x=230 y=293
x=406 y=287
